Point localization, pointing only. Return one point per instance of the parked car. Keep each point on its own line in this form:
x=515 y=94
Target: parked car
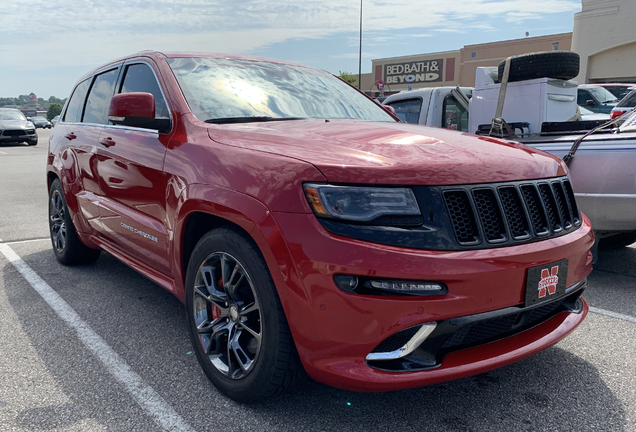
x=587 y=115
x=14 y=127
x=596 y=99
x=54 y=120
x=308 y=231
x=41 y=122
x=626 y=104
x=617 y=89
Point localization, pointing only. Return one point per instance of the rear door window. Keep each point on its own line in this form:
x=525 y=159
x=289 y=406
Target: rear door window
x=99 y=97
x=140 y=78
x=408 y=110
x=76 y=104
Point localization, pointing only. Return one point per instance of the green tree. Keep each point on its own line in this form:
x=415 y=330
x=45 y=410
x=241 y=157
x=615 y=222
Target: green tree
x=349 y=77
x=54 y=109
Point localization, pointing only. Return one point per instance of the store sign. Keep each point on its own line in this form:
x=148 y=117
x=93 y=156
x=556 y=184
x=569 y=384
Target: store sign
x=414 y=72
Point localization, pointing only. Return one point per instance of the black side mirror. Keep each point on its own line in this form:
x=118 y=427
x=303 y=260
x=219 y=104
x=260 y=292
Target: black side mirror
x=590 y=103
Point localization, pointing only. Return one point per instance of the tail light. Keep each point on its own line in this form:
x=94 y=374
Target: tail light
x=616 y=113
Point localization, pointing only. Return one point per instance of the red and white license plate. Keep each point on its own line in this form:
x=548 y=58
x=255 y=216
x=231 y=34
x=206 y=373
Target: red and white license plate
x=546 y=282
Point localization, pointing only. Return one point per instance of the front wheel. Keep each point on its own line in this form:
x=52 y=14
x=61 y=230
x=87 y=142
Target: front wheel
x=33 y=142
x=67 y=247
x=236 y=321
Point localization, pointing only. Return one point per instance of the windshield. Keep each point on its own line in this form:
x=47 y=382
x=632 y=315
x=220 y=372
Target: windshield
x=601 y=94
x=11 y=115
x=226 y=89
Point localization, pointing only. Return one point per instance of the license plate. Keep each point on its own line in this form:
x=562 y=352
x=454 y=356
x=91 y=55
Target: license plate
x=546 y=282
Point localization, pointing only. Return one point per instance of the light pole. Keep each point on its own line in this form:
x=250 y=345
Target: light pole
x=360 y=53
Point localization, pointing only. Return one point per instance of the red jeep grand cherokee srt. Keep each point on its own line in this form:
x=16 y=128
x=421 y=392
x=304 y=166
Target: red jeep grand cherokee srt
x=308 y=231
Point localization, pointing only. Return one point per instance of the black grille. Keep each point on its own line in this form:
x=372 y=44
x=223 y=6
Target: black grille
x=515 y=214
x=14 y=133
x=520 y=211
x=480 y=332
x=462 y=217
x=489 y=214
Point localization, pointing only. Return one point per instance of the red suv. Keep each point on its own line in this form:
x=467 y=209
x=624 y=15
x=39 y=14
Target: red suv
x=308 y=231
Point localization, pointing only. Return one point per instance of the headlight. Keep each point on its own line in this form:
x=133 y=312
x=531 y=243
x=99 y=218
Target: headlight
x=360 y=204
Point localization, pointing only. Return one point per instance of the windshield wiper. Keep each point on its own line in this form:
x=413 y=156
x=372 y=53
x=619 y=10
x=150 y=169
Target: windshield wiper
x=250 y=119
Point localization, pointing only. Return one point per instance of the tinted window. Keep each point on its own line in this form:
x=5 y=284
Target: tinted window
x=140 y=78
x=99 y=97
x=408 y=110
x=76 y=104
x=629 y=100
x=455 y=116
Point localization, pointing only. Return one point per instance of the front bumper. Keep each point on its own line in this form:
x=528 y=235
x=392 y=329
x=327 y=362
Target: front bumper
x=17 y=135
x=335 y=331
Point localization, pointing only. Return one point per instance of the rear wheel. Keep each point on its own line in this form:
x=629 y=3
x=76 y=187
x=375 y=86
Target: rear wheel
x=67 y=246
x=236 y=321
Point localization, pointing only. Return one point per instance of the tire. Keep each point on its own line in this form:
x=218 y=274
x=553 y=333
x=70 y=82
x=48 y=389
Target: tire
x=67 y=246
x=551 y=64
x=33 y=142
x=261 y=362
x=617 y=241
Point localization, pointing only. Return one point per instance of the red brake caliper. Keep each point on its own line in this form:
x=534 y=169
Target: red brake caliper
x=216 y=312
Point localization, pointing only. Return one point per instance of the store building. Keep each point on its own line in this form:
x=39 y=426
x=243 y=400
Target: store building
x=604 y=36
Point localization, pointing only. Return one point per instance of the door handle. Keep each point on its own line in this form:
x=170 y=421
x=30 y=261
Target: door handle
x=107 y=142
x=70 y=136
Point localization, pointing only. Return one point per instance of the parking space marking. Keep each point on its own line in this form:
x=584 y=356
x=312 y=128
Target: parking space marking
x=25 y=241
x=150 y=401
x=1 y=152
x=613 y=314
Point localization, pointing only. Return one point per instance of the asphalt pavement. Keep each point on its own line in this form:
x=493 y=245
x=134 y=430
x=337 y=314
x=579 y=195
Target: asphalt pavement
x=100 y=348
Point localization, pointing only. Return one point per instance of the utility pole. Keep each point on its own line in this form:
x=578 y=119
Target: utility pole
x=360 y=53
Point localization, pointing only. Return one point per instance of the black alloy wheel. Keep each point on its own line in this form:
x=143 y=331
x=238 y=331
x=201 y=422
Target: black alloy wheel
x=67 y=246
x=227 y=315
x=236 y=321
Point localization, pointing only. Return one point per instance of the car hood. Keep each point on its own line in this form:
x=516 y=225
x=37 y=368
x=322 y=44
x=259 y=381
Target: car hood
x=15 y=124
x=351 y=151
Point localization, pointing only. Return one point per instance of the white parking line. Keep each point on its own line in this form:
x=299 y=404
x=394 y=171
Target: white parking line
x=149 y=400
x=26 y=241
x=1 y=152
x=613 y=314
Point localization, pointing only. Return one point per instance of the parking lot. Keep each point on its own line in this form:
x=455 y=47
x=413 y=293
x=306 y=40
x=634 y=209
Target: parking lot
x=81 y=346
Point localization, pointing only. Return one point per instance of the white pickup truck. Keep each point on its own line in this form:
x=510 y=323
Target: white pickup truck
x=603 y=169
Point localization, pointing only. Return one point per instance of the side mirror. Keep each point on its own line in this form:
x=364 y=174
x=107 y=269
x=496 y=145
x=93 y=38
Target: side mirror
x=136 y=109
x=29 y=119
x=590 y=103
x=390 y=110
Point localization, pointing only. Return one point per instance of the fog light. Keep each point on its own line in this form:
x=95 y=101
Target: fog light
x=405 y=286
x=375 y=286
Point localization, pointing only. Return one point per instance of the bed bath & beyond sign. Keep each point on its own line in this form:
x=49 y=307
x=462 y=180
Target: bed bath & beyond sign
x=414 y=72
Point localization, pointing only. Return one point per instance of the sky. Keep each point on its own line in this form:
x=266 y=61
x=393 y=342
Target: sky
x=46 y=45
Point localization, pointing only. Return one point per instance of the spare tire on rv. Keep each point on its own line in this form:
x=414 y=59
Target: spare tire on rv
x=549 y=64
